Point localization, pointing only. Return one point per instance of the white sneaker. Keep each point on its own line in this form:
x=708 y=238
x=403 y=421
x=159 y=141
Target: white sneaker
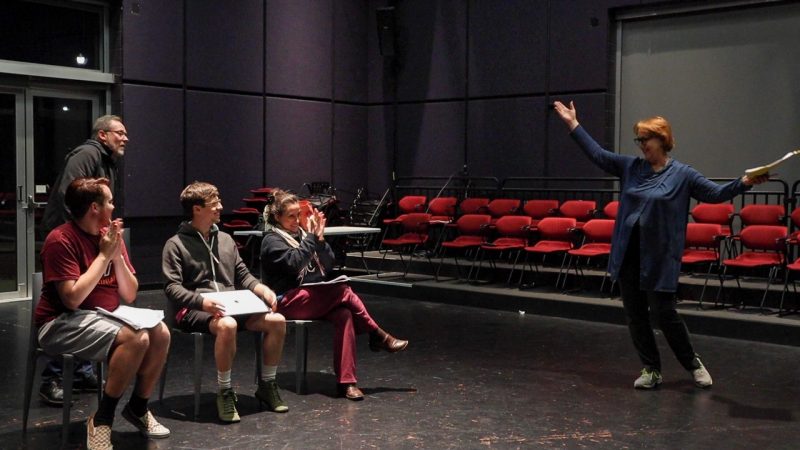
x=649 y=379
x=701 y=376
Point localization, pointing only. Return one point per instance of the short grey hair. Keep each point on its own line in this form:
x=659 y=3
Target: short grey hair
x=102 y=123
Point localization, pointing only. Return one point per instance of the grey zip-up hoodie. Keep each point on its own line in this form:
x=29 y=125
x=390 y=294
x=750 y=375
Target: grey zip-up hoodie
x=186 y=263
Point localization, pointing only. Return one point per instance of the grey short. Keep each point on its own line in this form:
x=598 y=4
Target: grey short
x=86 y=334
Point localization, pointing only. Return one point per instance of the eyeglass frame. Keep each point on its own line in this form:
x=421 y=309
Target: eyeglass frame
x=120 y=133
x=641 y=140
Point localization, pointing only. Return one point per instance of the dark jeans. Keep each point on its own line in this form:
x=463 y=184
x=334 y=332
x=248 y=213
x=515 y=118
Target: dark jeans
x=639 y=304
x=53 y=370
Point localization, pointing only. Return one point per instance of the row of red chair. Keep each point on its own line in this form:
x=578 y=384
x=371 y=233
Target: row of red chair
x=760 y=245
x=448 y=208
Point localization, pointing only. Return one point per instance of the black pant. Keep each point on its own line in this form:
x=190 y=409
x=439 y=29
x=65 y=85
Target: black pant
x=639 y=304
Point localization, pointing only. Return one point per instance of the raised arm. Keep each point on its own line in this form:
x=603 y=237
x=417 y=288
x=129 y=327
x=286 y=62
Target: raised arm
x=610 y=162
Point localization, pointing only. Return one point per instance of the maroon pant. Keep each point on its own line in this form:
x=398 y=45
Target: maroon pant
x=338 y=304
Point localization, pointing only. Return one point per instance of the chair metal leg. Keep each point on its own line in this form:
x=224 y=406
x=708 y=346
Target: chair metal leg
x=30 y=373
x=773 y=273
x=301 y=357
x=258 y=343
x=198 y=371
x=163 y=381
x=68 y=370
x=783 y=293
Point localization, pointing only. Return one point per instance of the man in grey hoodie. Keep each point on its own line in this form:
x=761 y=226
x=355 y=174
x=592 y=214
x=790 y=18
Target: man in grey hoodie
x=201 y=259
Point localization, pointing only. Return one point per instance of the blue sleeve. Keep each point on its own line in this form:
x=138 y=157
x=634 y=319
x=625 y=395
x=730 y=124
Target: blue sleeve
x=610 y=162
x=708 y=191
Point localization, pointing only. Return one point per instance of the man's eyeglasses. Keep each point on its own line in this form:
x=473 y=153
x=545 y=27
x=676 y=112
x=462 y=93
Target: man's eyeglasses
x=119 y=133
x=642 y=140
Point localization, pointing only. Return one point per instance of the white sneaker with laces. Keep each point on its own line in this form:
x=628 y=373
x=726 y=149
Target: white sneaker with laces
x=701 y=376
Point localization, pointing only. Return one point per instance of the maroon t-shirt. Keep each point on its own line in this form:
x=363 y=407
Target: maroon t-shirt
x=67 y=253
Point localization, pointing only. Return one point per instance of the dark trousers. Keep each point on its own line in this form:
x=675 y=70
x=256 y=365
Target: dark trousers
x=640 y=304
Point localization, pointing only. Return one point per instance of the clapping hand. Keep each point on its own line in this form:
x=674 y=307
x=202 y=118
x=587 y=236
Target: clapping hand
x=111 y=240
x=316 y=223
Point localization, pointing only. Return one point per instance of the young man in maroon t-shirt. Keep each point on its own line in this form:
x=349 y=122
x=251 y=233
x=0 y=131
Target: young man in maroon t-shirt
x=86 y=266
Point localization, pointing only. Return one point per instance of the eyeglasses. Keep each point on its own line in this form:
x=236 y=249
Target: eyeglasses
x=642 y=140
x=119 y=133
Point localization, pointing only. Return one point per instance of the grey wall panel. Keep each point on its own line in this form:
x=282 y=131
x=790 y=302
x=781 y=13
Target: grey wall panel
x=431 y=49
x=152 y=34
x=350 y=150
x=298 y=49
x=154 y=156
x=380 y=125
x=225 y=45
x=506 y=137
x=350 y=70
x=579 y=56
x=565 y=158
x=430 y=139
x=224 y=143
x=298 y=146
x=508 y=45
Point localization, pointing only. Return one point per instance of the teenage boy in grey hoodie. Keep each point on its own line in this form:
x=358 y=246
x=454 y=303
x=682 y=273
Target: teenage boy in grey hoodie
x=200 y=258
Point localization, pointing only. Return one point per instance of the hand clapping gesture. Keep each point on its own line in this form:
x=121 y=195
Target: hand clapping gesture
x=111 y=241
x=316 y=223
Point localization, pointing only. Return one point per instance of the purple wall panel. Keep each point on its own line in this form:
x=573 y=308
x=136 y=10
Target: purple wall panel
x=350 y=70
x=430 y=139
x=225 y=45
x=566 y=158
x=298 y=49
x=350 y=150
x=379 y=68
x=506 y=137
x=579 y=34
x=431 y=49
x=154 y=156
x=152 y=34
x=224 y=142
x=298 y=146
x=508 y=44
x=379 y=144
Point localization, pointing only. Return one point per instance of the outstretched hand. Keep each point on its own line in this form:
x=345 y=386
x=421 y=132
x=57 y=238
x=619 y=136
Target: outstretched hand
x=567 y=114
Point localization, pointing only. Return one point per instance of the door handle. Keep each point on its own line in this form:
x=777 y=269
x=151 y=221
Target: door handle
x=33 y=204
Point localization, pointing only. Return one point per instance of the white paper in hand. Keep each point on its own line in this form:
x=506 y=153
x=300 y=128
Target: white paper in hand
x=758 y=171
x=238 y=302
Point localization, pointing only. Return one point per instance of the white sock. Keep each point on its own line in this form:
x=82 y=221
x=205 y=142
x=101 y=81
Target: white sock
x=224 y=379
x=268 y=372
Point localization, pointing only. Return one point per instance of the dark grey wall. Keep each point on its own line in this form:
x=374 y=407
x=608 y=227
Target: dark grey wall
x=282 y=92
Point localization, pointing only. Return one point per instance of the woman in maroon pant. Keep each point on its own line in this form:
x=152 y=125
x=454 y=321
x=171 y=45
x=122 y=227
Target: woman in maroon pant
x=293 y=257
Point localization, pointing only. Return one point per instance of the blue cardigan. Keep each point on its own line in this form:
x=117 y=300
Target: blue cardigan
x=659 y=203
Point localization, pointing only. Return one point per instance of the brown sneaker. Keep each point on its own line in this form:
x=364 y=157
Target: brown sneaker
x=98 y=438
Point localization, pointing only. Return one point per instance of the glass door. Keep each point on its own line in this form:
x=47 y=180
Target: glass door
x=12 y=230
x=38 y=127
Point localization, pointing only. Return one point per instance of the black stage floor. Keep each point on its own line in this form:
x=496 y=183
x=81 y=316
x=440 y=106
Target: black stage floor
x=470 y=378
